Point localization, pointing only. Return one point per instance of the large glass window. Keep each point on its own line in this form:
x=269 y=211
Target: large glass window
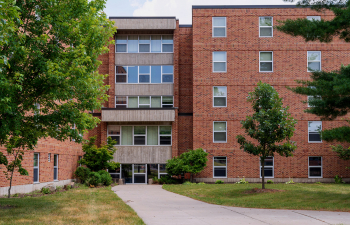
x=219 y=27
x=165 y=135
x=220 y=167
x=167 y=43
x=219 y=134
x=121 y=43
x=266 y=62
x=139 y=135
x=313 y=61
x=144 y=74
x=314 y=128
x=219 y=96
x=144 y=43
x=55 y=167
x=36 y=168
x=266 y=26
x=311 y=18
x=219 y=61
x=114 y=132
x=144 y=102
x=268 y=168
x=315 y=167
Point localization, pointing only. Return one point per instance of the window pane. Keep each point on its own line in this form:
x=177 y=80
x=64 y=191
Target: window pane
x=219 y=56
x=265 y=31
x=115 y=176
x=314 y=66
x=315 y=172
x=219 y=21
x=144 y=100
x=165 y=130
x=219 y=66
x=126 y=135
x=156 y=74
x=114 y=130
x=144 y=79
x=121 y=39
x=314 y=56
x=265 y=56
x=133 y=43
x=219 y=172
x=220 y=91
x=55 y=173
x=121 y=47
x=36 y=159
x=314 y=137
x=152 y=135
x=265 y=21
x=117 y=139
x=140 y=130
x=156 y=102
x=162 y=168
x=165 y=140
x=219 y=161
x=167 y=48
x=144 y=47
x=168 y=39
x=268 y=161
x=156 y=43
x=120 y=79
x=219 y=101
x=317 y=18
x=139 y=140
x=315 y=126
x=152 y=171
x=144 y=39
x=220 y=136
x=168 y=69
x=167 y=100
x=55 y=160
x=219 y=32
x=219 y=126
x=120 y=100
x=266 y=66
x=132 y=74
x=132 y=102
x=167 y=78
x=36 y=175
x=268 y=172
x=144 y=69
x=315 y=161
x=139 y=178
x=121 y=69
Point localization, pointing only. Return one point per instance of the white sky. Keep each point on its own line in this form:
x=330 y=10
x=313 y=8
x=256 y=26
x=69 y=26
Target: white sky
x=181 y=9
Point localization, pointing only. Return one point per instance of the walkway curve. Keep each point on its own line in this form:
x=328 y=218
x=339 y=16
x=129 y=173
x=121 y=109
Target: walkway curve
x=158 y=206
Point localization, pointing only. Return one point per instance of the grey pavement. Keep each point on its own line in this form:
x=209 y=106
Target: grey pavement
x=158 y=206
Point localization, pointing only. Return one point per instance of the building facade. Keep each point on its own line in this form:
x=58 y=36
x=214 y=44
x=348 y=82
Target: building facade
x=178 y=87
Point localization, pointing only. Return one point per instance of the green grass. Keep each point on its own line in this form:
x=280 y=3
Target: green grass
x=330 y=197
x=77 y=206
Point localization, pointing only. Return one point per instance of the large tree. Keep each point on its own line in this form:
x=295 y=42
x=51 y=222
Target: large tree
x=49 y=76
x=270 y=125
x=330 y=90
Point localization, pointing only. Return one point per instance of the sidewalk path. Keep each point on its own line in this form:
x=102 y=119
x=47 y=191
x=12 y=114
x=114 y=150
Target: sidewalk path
x=158 y=206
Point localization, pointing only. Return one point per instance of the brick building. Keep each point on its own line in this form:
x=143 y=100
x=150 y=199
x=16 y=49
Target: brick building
x=178 y=87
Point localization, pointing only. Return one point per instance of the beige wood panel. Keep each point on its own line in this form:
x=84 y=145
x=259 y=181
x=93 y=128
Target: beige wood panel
x=145 y=24
x=142 y=154
x=138 y=59
x=137 y=115
x=144 y=89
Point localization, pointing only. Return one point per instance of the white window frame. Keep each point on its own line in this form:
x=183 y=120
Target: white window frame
x=49 y=157
x=120 y=168
x=138 y=75
x=139 y=104
x=308 y=169
x=219 y=62
x=159 y=173
x=265 y=61
x=316 y=18
x=150 y=44
x=307 y=65
x=37 y=167
x=115 y=100
x=163 y=73
x=266 y=27
x=212 y=22
x=55 y=167
x=165 y=135
x=139 y=135
x=115 y=135
x=138 y=101
x=310 y=96
x=219 y=166
x=308 y=132
x=219 y=97
x=273 y=168
x=219 y=131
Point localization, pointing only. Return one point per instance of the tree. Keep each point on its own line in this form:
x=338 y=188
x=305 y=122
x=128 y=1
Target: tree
x=97 y=159
x=49 y=76
x=270 y=125
x=330 y=91
x=192 y=162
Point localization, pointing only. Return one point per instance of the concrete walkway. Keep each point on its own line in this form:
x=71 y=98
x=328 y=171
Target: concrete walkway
x=158 y=206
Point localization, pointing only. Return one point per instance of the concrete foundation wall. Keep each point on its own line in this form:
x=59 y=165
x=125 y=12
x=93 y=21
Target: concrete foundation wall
x=275 y=180
x=144 y=89
x=142 y=154
x=145 y=24
x=138 y=115
x=137 y=59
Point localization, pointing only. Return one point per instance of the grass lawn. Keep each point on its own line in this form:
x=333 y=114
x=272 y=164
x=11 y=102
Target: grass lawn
x=331 y=197
x=77 y=206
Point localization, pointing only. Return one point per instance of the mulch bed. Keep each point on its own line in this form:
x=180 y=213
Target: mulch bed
x=259 y=190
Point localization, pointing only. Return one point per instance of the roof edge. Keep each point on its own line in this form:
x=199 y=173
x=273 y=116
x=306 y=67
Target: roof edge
x=142 y=17
x=243 y=6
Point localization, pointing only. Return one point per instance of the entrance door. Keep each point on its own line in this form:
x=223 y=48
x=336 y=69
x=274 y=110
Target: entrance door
x=140 y=171
x=127 y=173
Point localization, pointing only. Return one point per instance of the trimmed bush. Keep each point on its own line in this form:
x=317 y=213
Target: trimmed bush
x=219 y=182
x=106 y=178
x=94 y=179
x=82 y=173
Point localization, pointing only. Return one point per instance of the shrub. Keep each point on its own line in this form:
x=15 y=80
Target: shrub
x=94 y=179
x=82 y=173
x=269 y=181
x=106 y=178
x=219 y=182
x=155 y=180
x=45 y=190
x=338 y=180
x=167 y=180
x=290 y=182
x=188 y=183
x=242 y=181
x=201 y=183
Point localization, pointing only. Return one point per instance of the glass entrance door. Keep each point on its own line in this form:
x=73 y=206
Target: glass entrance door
x=127 y=173
x=140 y=171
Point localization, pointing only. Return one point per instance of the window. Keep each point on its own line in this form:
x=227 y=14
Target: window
x=144 y=43
x=156 y=170
x=265 y=26
x=313 y=61
x=79 y=158
x=219 y=132
x=219 y=27
x=162 y=170
x=114 y=173
x=219 y=61
x=36 y=108
x=268 y=168
x=220 y=167
x=316 y=18
x=122 y=102
x=310 y=98
x=315 y=167
x=140 y=135
x=314 y=134
x=220 y=96
x=55 y=167
x=36 y=168
x=49 y=157
x=144 y=74
x=266 y=62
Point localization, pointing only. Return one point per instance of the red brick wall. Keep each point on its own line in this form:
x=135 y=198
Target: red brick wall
x=242 y=45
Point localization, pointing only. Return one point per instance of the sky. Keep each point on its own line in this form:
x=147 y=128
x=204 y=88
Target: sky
x=181 y=9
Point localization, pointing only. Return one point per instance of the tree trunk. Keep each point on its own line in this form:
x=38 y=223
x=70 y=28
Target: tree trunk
x=191 y=178
x=9 y=192
x=262 y=159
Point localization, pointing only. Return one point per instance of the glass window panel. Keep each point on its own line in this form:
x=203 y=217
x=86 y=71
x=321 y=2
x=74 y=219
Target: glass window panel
x=168 y=39
x=144 y=78
x=165 y=130
x=121 y=39
x=219 y=66
x=156 y=74
x=117 y=139
x=219 y=172
x=139 y=168
x=139 y=178
x=162 y=168
x=315 y=126
x=36 y=175
x=156 y=102
x=132 y=74
x=152 y=135
x=219 y=21
x=165 y=140
x=139 y=130
x=219 y=32
x=167 y=100
x=55 y=174
x=144 y=39
x=314 y=137
x=268 y=172
x=126 y=135
x=268 y=161
x=133 y=43
x=120 y=100
x=55 y=160
x=152 y=171
x=265 y=21
x=219 y=56
x=265 y=56
x=219 y=161
x=156 y=43
x=167 y=48
x=115 y=176
x=144 y=69
x=266 y=66
x=317 y=18
x=315 y=172
x=168 y=69
x=120 y=79
x=219 y=101
x=114 y=130
x=314 y=56
x=121 y=69
x=220 y=91
x=36 y=159
x=144 y=48
x=219 y=126
x=220 y=136
x=121 y=47
x=314 y=66
x=315 y=161
x=133 y=102
x=167 y=78
x=139 y=140
x=144 y=100
x=265 y=31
